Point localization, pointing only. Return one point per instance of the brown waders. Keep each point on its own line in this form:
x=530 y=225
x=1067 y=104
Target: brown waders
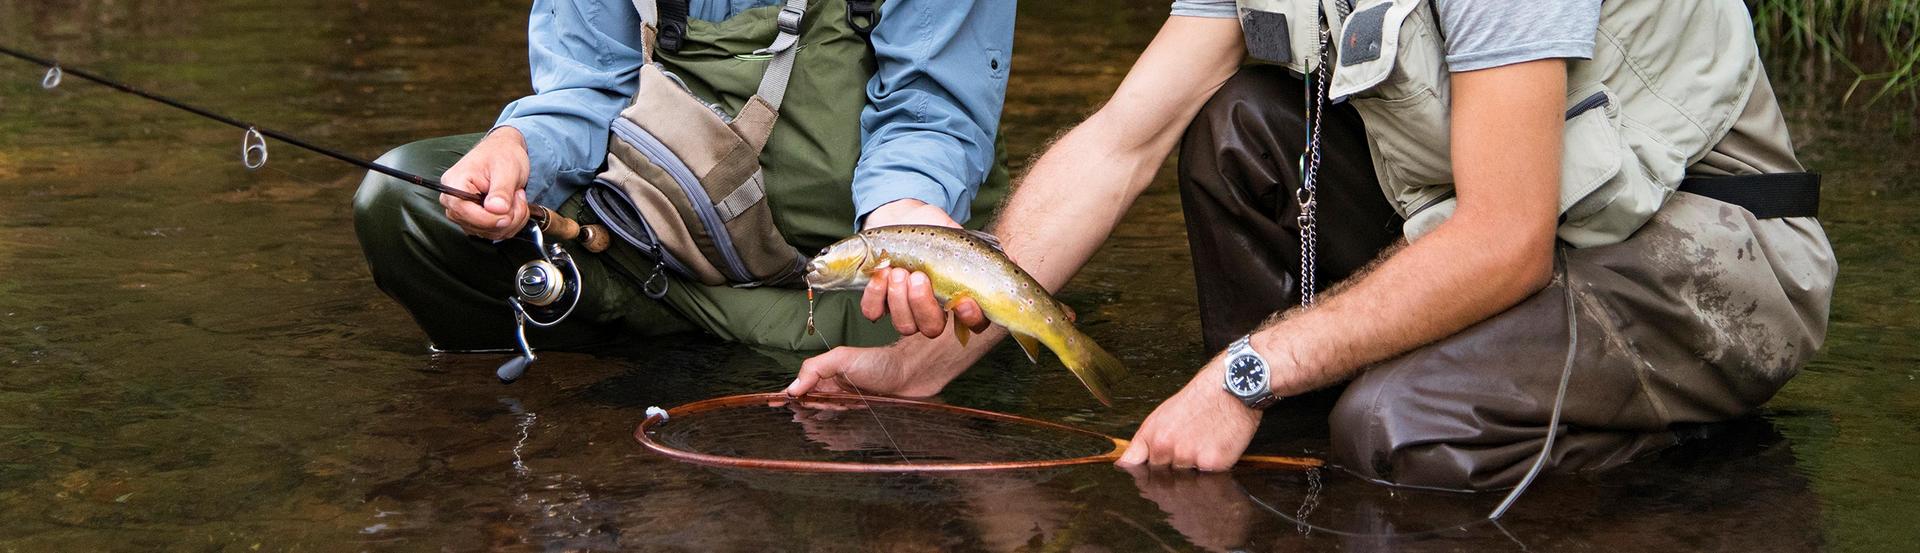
x=456 y=285
x=1699 y=317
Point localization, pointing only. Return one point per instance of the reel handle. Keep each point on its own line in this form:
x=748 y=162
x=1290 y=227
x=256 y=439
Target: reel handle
x=513 y=369
x=594 y=237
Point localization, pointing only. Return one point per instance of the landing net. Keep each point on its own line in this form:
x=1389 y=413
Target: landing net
x=850 y=433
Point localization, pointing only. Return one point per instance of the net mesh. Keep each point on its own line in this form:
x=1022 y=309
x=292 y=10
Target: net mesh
x=865 y=434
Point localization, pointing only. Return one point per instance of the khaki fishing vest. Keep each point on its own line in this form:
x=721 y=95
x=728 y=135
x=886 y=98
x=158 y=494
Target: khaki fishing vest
x=1666 y=82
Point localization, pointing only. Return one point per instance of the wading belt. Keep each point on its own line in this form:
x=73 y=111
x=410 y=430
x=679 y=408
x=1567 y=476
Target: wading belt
x=1767 y=196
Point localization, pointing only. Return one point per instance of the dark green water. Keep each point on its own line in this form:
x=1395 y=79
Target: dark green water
x=194 y=357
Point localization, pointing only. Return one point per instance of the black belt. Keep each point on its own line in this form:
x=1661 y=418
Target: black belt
x=1767 y=196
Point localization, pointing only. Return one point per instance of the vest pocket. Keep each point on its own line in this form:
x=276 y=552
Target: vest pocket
x=1605 y=192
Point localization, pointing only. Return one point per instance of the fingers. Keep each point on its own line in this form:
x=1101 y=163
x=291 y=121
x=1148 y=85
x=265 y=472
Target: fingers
x=969 y=314
x=817 y=373
x=497 y=171
x=1136 y=454
x=1140 y=448
x=468 y=215
x=517 y=216
x=909 y=298
x=873 y=303
x=903 y=320
x=1156 y=449
x=927 y=314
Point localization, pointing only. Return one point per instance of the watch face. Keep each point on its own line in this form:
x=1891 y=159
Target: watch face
x=1246 y=375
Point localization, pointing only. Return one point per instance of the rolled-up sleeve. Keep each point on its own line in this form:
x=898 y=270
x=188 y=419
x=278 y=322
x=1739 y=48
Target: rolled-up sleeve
x=585 y=56
x=934 y=102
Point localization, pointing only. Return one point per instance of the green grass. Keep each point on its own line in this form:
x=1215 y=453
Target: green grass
x=1876 y=41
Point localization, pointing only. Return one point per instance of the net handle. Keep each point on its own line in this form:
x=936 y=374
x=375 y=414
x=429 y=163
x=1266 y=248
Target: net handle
x=642 y=435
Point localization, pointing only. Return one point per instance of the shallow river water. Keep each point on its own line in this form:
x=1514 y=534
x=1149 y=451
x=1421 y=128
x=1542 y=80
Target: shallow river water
x=193 y=357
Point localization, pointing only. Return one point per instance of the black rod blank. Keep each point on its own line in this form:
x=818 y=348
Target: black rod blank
x=425 y=182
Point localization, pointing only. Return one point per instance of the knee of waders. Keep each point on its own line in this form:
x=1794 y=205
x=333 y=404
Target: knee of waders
x=1387 y=428
x=381 y=197
x=392 y=217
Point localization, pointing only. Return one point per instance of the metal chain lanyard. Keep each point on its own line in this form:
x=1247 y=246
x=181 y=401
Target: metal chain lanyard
x=1307 y=195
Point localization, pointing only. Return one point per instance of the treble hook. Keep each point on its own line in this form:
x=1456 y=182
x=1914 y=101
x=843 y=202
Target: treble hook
x=252 y=143
x=53 y=78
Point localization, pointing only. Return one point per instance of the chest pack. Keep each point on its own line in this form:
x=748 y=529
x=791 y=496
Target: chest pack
x=1666 y=82
x=699 y=180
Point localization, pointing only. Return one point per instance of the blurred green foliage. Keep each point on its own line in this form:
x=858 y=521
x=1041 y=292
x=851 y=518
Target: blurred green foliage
x=1877 y=41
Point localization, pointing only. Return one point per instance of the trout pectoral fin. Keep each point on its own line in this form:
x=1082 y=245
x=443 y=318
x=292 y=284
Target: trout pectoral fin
x=959 y=330
x=1030 y=345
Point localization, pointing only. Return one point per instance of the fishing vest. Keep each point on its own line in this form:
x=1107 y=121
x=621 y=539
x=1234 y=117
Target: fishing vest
x=1666 y=82
x=738 y=150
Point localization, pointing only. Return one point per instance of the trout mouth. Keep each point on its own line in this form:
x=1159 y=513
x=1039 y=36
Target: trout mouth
x=821 y=274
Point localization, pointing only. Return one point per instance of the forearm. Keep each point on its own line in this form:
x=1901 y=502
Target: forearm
x=1076 y=192
x=1431 y=289
x=1495 y=251
x=1073 y=197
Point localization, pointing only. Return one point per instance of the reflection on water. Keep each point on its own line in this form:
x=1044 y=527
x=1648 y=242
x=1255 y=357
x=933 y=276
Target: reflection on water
x=195 y=357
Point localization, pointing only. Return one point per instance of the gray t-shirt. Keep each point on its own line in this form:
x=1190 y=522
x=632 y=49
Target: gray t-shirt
x=1485 y=33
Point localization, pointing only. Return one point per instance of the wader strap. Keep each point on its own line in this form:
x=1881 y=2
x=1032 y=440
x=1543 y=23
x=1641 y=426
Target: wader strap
x=773 y=85
x=743 y=197
x=1767 y=196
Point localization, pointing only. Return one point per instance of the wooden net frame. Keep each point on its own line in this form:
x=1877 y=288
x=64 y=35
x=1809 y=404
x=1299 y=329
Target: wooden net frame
x=646 y=438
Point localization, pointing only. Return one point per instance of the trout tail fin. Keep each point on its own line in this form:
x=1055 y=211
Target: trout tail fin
x=1097 y=369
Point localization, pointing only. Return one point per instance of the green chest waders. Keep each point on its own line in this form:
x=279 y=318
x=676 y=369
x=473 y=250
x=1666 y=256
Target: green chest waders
x=738 y=150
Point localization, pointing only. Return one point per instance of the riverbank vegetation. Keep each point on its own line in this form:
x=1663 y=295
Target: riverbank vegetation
x=1875 y=43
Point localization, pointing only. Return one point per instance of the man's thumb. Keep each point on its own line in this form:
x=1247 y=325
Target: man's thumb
x=497 y=201
x=812 y=371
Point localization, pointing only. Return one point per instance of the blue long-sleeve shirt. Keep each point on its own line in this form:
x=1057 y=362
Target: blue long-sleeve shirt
x=927 y=131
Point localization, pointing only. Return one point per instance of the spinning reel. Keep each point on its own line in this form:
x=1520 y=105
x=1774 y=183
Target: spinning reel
x=546 y=290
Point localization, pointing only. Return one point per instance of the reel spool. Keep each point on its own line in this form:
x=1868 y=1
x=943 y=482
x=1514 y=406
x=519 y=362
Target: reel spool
x=546 y=290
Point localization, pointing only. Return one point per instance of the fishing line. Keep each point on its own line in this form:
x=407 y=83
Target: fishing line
x=849 y=382
x=876 y=418
x=1420 y=534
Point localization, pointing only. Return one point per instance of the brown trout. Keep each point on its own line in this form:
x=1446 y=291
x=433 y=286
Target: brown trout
x=964 y=264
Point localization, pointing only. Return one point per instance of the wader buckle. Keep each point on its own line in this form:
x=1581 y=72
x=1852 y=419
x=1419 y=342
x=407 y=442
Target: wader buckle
x=789 y=19
x=860 y=16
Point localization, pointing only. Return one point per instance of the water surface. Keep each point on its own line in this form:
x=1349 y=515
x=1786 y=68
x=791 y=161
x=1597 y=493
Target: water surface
x=195 y=357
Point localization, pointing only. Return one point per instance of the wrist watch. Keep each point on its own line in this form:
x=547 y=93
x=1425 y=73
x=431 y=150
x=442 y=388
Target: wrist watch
x=1248 y=376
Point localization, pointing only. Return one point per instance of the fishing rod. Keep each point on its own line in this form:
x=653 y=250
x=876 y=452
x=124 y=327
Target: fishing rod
x=546 y=290
x=254 y=142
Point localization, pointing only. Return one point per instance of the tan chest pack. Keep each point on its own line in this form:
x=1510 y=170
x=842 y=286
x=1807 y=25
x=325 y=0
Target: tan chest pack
x=683 y=183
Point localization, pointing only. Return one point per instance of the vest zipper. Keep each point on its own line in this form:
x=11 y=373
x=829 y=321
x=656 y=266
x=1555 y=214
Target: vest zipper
x=696 y=194
x=619 y=221
x=1598 y=99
